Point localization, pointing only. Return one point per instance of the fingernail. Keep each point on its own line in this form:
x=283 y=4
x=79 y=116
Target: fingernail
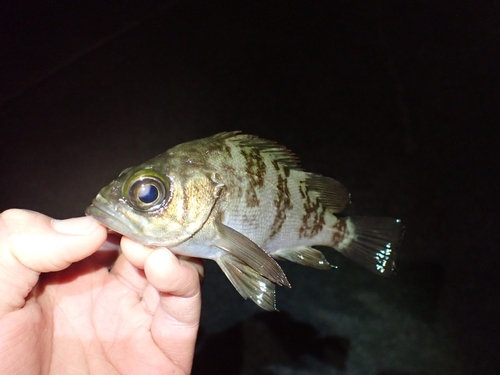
x=78 y=225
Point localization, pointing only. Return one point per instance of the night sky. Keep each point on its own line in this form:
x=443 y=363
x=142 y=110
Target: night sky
x=397 y=100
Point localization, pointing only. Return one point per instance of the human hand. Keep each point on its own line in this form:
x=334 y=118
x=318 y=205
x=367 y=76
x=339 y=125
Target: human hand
x=68 y=308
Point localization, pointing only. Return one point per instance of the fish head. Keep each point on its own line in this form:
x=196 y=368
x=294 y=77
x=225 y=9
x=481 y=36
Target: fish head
x=157 y=203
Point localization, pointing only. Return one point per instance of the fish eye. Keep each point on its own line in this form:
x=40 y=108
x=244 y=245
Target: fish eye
x=146 y=193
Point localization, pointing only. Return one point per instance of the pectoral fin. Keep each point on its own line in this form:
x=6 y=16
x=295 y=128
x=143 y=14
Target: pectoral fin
x=250 y=253
x=306 y=256
x=248 y=282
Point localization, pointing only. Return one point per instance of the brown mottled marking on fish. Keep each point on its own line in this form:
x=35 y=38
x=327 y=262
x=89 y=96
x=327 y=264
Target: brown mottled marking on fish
x=227 y=149
x=313 y=210
x=319 y=222
x=228 y=168
x=233 y=179
x=215 y=148
x=275 y=165
x=282 y=203
x=185 y=205
x=256 y=169
x=339 y=232
x=239 y=190
x=251 y=197
x=302 y=190
x=255 y=166
x=287 y=171
x=250 y=221
x=219 y=216
x=305 y=218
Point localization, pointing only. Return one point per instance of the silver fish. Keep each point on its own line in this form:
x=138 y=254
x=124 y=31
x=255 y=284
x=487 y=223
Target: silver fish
x=243 y=201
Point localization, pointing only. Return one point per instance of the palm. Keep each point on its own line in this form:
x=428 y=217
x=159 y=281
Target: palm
x=118 y=325
x=105 y=322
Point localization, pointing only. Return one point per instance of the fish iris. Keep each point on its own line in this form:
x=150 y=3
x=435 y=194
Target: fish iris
x=146 y=192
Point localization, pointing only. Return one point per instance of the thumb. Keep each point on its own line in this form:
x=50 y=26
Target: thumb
x=31 y=243
x=43 y=244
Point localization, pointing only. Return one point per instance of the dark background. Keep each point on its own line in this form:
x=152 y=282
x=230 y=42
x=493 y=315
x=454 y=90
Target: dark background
x=395 y=99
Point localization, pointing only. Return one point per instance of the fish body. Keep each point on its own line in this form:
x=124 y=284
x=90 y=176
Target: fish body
x=243 y=202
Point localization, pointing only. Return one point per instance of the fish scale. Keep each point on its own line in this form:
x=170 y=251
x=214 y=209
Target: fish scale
x=243 y=202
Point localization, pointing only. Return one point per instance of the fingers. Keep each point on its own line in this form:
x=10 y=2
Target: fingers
x=31 y=243
x=43 y=244
x=197 y=263
x=162 y=269
x=176 y=320
x=171 y=275
x=170 y=291
x=135 y=252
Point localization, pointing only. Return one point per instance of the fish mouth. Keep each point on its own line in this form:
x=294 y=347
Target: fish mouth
x=106 y=213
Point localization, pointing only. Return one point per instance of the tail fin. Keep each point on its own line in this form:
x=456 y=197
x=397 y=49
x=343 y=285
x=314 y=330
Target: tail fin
x=373 y=242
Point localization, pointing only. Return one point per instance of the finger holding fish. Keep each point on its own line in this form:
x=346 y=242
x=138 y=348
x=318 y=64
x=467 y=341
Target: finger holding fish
x=135 y=252
x=138 y=255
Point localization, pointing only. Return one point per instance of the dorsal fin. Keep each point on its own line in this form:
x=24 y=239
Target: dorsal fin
x=226 y=135
x=278 y=153
x=332 y=194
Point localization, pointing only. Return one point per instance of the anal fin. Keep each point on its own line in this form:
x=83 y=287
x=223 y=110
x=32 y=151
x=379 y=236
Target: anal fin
x=306 y=256
x=248 y=282
x=374 y=243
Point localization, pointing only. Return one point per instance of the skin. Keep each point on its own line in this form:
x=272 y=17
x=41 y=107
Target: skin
x=69 y=304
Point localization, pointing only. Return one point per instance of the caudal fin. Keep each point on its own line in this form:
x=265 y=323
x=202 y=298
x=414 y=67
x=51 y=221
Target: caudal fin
x=372 y=242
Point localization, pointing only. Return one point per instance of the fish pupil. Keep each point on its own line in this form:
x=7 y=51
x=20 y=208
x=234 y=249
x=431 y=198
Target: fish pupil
x=147 y=193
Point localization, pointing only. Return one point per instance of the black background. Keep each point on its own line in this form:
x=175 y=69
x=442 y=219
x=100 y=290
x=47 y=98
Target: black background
x=397 y=100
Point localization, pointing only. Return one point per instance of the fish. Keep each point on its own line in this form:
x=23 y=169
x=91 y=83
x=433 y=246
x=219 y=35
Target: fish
x=244 y=202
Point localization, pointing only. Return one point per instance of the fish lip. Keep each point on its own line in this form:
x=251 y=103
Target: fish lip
x=104 y=212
